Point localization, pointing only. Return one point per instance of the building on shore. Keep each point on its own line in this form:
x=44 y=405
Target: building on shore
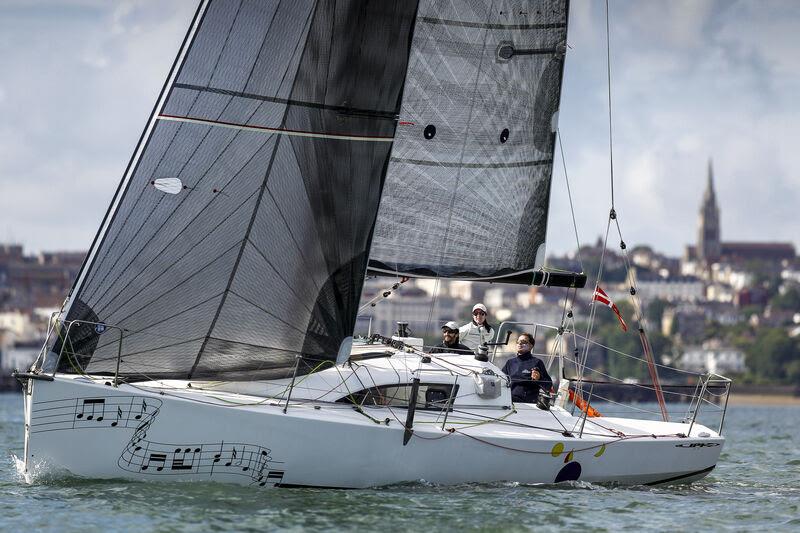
x=713 y=357
x=710 y=250
x=34 y=281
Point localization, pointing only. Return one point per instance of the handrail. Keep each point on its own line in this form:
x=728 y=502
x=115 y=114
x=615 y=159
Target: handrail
x=703 y=388
x=66 y=338
x=50 y=328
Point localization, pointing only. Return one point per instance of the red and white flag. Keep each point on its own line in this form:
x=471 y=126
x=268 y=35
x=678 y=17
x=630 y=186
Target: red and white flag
x=601 y=296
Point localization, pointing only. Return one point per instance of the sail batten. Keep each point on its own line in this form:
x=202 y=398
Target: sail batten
x=277 y=131
x=446 y=164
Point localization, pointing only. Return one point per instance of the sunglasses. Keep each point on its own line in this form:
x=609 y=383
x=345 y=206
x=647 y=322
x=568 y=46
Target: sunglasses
x=479 y=313
x=449 y=331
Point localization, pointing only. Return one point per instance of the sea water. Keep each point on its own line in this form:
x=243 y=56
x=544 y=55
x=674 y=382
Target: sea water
x=755 y=485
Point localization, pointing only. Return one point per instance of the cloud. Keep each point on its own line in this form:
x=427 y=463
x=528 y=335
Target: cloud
x=80 y=79
x=691 y=79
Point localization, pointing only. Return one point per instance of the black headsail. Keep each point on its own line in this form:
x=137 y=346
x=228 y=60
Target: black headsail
x=239 y=238
x=468 y=185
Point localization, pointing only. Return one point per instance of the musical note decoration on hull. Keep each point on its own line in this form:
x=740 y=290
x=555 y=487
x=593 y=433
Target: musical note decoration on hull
x=143 y=456
x=218 y=459
x=93 y=413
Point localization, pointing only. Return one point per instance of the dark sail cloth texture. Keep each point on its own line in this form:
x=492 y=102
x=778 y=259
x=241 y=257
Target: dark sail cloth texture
x=523 y=388
x=278 y=123
x=457 y=347
x=468 y=184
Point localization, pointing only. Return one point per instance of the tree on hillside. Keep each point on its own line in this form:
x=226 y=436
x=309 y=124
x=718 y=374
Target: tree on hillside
x=771 y=356
x=789 y=300
x=654 y=312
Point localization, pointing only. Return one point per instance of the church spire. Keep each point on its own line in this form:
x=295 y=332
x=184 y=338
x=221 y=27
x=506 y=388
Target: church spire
x=709 y=196
x=709 y=246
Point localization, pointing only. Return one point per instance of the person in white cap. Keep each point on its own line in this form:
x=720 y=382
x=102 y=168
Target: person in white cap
x=450 y=343
x=478 y=331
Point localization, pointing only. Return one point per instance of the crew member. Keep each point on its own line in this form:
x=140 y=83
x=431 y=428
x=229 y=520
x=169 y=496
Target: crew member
x=450 y=340
x=477 y=332
x=526 y=372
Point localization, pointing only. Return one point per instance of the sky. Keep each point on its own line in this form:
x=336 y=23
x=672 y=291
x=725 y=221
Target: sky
x=691 y=80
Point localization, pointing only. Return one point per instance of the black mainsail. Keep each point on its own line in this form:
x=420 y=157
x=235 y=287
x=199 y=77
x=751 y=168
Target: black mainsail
x=278 y=123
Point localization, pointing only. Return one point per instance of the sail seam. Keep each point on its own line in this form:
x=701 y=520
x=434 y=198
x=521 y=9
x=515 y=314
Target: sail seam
x=516 y=164
x=493 y=25
x=238 y=257
x=277 y=318
x=278 y=131
x=114 y=358
x=371 y=113
x=185 y=198
x=255 y=209
x=194 y=218
x=151 y=302
x=280 y=276
x=464 y=144
x=289 y=232
x=163 y=155
x=142 y=329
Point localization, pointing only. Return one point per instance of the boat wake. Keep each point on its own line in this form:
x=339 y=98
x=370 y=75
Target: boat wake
x=22 y=475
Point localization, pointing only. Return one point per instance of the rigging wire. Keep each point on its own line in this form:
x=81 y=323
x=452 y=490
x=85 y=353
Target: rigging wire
x=612 y=214
x=433 y=305
x=610 y=129
x=569 y=195
x=384 y=293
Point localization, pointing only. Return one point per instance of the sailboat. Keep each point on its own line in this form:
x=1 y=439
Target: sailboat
x=296 y=148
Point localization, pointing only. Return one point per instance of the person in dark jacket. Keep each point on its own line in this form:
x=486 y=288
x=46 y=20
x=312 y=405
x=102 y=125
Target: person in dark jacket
x=526 y=372
x=450 y=342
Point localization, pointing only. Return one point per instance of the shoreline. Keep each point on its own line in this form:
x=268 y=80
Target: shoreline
x=763 y=399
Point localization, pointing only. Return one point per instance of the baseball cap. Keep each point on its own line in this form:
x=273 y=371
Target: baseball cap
x=479 y=306
x=450 y=325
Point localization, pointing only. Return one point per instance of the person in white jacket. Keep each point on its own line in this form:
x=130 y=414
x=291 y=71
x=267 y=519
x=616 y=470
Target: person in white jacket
x=477 y=331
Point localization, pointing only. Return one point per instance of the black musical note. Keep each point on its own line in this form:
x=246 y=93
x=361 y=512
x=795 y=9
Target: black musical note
x=233 y=456
x=246 y=466
x=274 y=476
x=180 y=463
x=93 y=403
x=142 y=410
x=214 y=459
x=160 y=458
x=261 y=465
x=141 y=431
x=119 y=415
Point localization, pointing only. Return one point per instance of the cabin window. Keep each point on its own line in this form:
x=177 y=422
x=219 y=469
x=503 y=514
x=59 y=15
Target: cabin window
x=431 y=396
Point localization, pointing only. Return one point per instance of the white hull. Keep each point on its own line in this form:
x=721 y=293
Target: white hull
x=90 y=428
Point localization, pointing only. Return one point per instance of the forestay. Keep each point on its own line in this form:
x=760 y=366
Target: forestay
x=238 y=240
x=468 y=184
